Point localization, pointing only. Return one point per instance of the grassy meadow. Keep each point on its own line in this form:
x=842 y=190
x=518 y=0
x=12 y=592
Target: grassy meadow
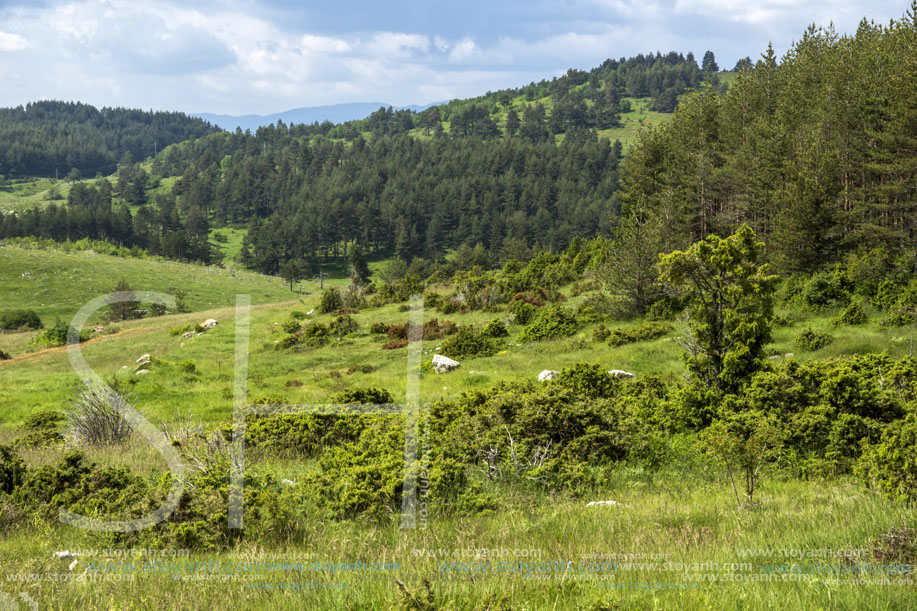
x=674 y=540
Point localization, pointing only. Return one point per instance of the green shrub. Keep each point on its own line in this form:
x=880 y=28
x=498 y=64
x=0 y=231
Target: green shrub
x=824 y=290
x=891 y=464
x=343 y=325
x=12 y=469
x=44 y=419
x=853 y=314
x=898 y=319
x=378 y=327
x=640 y=333
x=5 y=356
x=40 y=439
x=330 y=301
x=291 y=326
x=188 y=367
x=522 y=312
x=298 y=315
x=496 y=328
x=811 y=340
x=181 y=329
x=551 y=322
x=600 y=333
x=57 y=335
x=363 y=395
x=19 y=320
x=469 y=342
x=886 y=295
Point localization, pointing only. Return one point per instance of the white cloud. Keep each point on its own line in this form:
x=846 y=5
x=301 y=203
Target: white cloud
x=12 y=42
x=227 y=58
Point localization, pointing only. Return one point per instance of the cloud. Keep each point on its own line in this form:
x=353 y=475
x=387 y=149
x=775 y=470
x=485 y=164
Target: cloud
x=12 y=42
x=264 y=56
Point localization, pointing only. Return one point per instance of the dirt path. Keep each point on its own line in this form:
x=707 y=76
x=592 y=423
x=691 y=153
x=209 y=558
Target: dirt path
x=39 y=355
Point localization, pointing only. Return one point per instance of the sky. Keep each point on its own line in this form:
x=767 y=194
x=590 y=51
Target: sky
x=266 y=56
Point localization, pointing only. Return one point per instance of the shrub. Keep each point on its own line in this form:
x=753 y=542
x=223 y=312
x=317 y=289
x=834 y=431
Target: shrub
x=291 y=326
x=330 y=301
x=188 y=367
x=811 y=340
x=824 y=290
x=469 y=342
x=596 y=308
x=898 y=319
x=395 y=344
x=891 y=464
x=16 y=320
x=4 y=356
x=12 y=469
x=40 y=439
x=44 y=419
x=641 y=333
x=298 y=315
x=57 y=335
x=378 y=327
x=886 y=295
x=496 y=328
x=96 y=417
x=555 y=321
x=853 y=314
x=343 y=325
x=600 y=333
x=363 y=395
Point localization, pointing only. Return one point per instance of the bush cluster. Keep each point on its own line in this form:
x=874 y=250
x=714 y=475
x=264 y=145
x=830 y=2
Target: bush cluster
x=811 y=340
x=19 y=320
x=550 y=322
x=640 y=333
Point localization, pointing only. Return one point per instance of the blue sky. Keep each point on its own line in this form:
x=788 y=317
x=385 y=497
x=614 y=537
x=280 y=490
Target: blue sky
x=248 y=56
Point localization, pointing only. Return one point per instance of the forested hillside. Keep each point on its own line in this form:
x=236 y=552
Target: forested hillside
x=511 y=170
x=51 y=138
x=818 y=153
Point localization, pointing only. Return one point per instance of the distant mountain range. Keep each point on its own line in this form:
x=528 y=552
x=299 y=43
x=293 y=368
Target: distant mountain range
x=336 y=113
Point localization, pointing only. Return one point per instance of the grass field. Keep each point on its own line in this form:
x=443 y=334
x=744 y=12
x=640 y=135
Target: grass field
x=675 y=540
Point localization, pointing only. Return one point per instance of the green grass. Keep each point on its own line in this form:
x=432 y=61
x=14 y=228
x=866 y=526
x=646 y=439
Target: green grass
x=20 y=194
x=633 y=122
x=56 y=283
x=681 y=526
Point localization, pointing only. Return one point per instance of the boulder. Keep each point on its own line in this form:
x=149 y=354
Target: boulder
x=620 y=373
x=443 y=364
x=143 y=372
x=143 y=365
x=210 y=323
x=788 y=355
x=310 y=312
x=145 y=357
x=547 y=374
x=189 y=334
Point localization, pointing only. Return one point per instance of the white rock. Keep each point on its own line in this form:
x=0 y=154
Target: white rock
x=620 y=373
x=73 y=564
x=774 y=358
x=788 y=355
x=65 y=555
x=210 y=323
x=189 y=334
x=597 y=503
x=287 y=482
x=142 y=365
x=143 y=372
x=547 y=374
x=310 y=312
x=145 y=357
x=443 y=364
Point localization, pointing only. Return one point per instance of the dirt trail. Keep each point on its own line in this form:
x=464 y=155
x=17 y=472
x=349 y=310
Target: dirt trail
x=49 y=352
